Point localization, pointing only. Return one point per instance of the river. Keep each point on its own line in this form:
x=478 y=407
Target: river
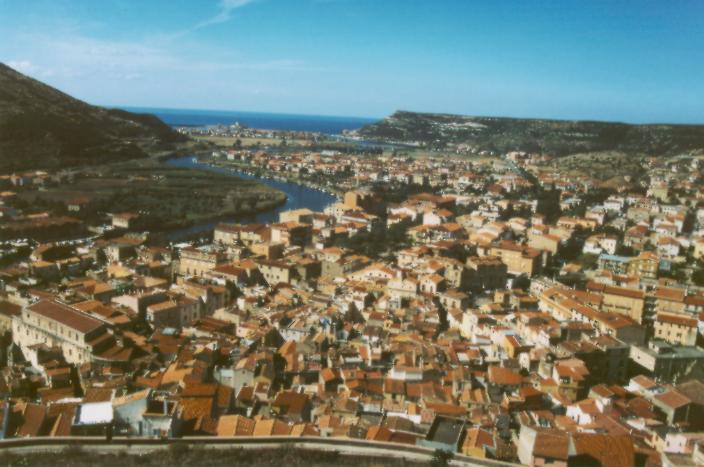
x=298 y=196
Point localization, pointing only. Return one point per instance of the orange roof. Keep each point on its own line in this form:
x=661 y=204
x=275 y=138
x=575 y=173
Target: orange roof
x=271 y=428
x=673 y=398
x=678 y=320
x=478 y=438
x=379 y=433
x=66 y=315
x=504 y=376
x=668 y=293
x=607 y=450
x=196 y=408
x=330 y=374
x=235 y=425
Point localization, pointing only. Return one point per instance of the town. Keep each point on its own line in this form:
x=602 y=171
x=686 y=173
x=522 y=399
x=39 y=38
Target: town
x=485 y=306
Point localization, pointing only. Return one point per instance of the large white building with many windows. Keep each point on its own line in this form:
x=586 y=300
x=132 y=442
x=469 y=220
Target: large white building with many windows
x=56 y=324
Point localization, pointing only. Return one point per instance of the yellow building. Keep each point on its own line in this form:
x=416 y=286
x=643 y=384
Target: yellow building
x=519 y=259
x=622 y=300
x=676 y=328
x=196 y=262
x=291 y=233
x=360 y=199
x=231 y=234
x=669 y=300
x=545 y=242
x=303 y=215
x=275 y=272
x=644 y=266
x=699 y=248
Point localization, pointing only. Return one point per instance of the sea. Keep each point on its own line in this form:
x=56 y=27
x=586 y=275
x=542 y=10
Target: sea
x=326 y=124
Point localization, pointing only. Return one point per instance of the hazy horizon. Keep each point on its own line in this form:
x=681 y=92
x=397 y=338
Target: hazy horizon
x=367 y=117
x=244 y=111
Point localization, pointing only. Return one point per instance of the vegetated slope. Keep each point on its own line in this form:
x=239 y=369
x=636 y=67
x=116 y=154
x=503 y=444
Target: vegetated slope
x=556 y=137
x=41 y=127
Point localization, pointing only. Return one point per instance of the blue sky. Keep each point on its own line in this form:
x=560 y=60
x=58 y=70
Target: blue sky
x=636 y=61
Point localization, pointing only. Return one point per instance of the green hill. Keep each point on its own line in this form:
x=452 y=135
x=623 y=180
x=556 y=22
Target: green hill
x=556 y=137
x=41 y=127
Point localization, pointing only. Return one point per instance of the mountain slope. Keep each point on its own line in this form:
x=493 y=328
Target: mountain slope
x=557 y=137
x=41 y=127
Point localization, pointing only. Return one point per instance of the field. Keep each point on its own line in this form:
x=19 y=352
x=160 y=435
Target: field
x=603 y=165
x=423 y=153
x=229 y=141
x=166 y=197
x=292 y=145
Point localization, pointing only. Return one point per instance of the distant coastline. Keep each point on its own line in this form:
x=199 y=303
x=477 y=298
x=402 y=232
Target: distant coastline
x=326 y=124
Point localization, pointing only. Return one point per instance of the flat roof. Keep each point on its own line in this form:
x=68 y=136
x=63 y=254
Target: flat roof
x=672 y=351
x=93 y=413
x=446 y=430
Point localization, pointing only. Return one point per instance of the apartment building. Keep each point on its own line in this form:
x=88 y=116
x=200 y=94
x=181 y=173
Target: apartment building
x=628 y=302
x=197 y=262
x=56 y=324
x=519 y=259
x=676 y=328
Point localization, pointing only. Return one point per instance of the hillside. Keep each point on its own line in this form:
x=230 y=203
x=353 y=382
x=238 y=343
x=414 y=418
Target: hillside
x=41 y=127
x=557 y=137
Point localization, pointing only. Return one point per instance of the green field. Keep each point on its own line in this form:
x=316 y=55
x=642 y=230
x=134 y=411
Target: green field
x=165 y=196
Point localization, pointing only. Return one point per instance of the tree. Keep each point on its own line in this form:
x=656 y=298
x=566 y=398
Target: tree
x=588 y=261
x=571 y=249
x=508 y=213
x=698 y=277
x=377 y=241
x=679 y=274
x=441 y=458
x=457 y=252
x=623 y=250
x=549 y=204
x=521 y=282
x=609 y=230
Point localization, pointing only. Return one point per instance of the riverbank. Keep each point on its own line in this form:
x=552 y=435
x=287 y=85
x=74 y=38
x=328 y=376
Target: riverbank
x=161 y=196
x=298 y=196
x=270 y=175
x=205 y=159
